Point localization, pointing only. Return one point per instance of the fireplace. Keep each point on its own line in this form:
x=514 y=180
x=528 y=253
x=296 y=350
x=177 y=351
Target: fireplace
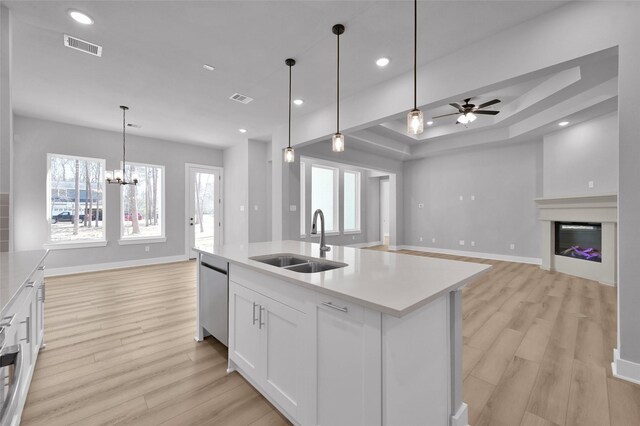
x=578 y=235
x=580 y=240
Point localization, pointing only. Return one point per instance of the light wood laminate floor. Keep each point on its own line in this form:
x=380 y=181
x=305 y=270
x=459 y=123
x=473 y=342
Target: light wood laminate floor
x=120 y=350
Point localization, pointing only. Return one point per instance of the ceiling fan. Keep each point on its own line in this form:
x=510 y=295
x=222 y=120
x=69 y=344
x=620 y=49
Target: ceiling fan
x=469 y=111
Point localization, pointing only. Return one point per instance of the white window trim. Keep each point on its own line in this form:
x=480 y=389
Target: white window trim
x=303 y=200
x=141 y=239
x=102 y=242
x=336 y=196
x=358 y=228
x=75 y=245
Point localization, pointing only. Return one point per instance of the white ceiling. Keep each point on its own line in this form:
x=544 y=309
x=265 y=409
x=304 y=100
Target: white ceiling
x=154 y=52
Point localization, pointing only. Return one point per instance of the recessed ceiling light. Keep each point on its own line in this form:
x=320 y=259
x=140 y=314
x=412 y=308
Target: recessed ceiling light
x=80 y=17
x=382 y=62
x=429 y=123
x=208 y=67
x=563 y=123
x=242 y=130
x=298 y=101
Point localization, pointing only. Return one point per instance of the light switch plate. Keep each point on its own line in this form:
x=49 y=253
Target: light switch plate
x=420 y=205
x=461 y=198
x=461 y=242
x=590 y=184
x=293 y=208
x=241 y=208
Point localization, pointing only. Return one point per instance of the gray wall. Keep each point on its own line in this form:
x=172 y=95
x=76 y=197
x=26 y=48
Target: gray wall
x=236 y=194
x=6 y=126
x=259 y=192
x=372 y=207
x=35 y=138
x=578 y=154
x=504 y=182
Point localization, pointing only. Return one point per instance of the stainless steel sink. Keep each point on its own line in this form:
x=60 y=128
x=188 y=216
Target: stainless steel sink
x=311 y=267
x=280 y=260
x=297 y=263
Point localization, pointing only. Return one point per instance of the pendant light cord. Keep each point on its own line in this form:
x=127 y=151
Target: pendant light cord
x=338 y=88
x=289 y=106
x=415 y=54
x=124 y=145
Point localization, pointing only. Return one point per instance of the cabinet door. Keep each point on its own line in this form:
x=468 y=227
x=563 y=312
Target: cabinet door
x=349 y=370
x=244 y=341
x=284 y=355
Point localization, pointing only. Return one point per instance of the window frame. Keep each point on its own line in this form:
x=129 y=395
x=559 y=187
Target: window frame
x=128 y=240
x=84 y=243
x=303 y=200
x=357 y=201
x=336 y=197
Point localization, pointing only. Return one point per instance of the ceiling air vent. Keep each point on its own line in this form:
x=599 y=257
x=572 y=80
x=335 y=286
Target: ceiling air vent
x=240 y=98
x=84 y=46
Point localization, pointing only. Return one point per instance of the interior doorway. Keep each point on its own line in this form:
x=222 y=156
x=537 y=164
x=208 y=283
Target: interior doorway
x=203 y=226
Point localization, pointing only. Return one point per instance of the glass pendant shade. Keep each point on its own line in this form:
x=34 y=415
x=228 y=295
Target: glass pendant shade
x=337 y=142
x=289 y=156
x=109 y=175
x=134 y=177
x=471 y=117
x=117 y=174
x=415 y=122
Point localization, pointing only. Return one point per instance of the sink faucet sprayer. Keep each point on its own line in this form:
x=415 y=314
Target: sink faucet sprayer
x=323 y=247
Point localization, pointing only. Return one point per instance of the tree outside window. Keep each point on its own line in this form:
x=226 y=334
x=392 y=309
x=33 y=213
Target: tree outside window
x=142 y=204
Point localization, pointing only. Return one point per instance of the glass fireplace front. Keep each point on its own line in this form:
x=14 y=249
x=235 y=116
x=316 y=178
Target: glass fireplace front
x=579 y=240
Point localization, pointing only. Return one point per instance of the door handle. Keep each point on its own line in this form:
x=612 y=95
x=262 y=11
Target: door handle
x=254 y=313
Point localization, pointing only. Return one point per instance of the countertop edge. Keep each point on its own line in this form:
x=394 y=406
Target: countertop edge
x=24 y=281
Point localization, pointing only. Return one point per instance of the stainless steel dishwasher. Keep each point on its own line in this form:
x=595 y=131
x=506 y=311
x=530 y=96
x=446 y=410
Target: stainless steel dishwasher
x=214 y=299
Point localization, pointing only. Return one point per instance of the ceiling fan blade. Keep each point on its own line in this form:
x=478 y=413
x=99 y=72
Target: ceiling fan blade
x=486 y=104
x=447 y=115
x=456 y=106
x=486 y=112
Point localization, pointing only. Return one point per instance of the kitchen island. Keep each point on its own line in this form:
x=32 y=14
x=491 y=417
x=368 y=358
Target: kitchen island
x=377 y=341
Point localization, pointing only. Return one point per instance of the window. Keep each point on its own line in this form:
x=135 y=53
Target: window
x=75 y=187
x=324 y=195
x=351 y=201
x=142 y=205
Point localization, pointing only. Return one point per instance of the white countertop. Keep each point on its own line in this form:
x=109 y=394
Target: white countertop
x=392 y=283
x=15 y=269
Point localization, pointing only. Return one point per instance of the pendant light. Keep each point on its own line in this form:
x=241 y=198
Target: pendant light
x=117 y=176
x=337 y=141
x=415 y=118
x=289 y=156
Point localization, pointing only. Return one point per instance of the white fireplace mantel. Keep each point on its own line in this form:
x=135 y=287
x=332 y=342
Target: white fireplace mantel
x=602 y=208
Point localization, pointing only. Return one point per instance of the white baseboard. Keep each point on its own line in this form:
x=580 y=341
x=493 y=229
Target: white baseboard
x=625 y=370
x=461 y=418
x=362 y=245
x=80 y=269
x=493 y=256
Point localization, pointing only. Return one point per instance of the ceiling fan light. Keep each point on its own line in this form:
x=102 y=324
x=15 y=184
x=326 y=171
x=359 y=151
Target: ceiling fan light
x=289 y=156
x=415 y=122
x=471 y=117
x=337 y=142
x=463 y=119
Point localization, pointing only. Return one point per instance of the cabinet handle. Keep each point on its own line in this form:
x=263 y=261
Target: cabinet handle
x=42 y=287
x=28 y=324
x=254 y=313
x=336 y=307
x=7 y=321
x=260 y=324
x=41 y=268
x=30 y=284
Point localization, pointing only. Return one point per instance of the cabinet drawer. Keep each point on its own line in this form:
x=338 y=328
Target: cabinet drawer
x=340 y=307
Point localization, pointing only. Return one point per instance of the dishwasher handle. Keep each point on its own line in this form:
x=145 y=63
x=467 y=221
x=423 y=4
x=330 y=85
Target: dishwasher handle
x=215 y=268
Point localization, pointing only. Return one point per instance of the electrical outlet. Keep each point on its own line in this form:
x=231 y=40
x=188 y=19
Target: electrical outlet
x=241 y=208
x=461 y=242
x=255 y=207
x=473 y=243
x=420 y=239
x=420 y=205
x=146 y=248
x=353 y=237
x=293 y=208
x=590 y=184
x=473 y=198
x=512 y=246
x=461 y=198
x=433 y=240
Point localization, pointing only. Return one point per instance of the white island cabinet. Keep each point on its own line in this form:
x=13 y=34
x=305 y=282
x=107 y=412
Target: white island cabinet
x=377 y=342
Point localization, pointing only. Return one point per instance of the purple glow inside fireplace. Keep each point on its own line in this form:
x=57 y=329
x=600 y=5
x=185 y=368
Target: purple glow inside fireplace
x=579 y=240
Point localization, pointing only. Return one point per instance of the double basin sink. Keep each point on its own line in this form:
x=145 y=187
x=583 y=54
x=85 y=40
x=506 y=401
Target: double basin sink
x=298 y=263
